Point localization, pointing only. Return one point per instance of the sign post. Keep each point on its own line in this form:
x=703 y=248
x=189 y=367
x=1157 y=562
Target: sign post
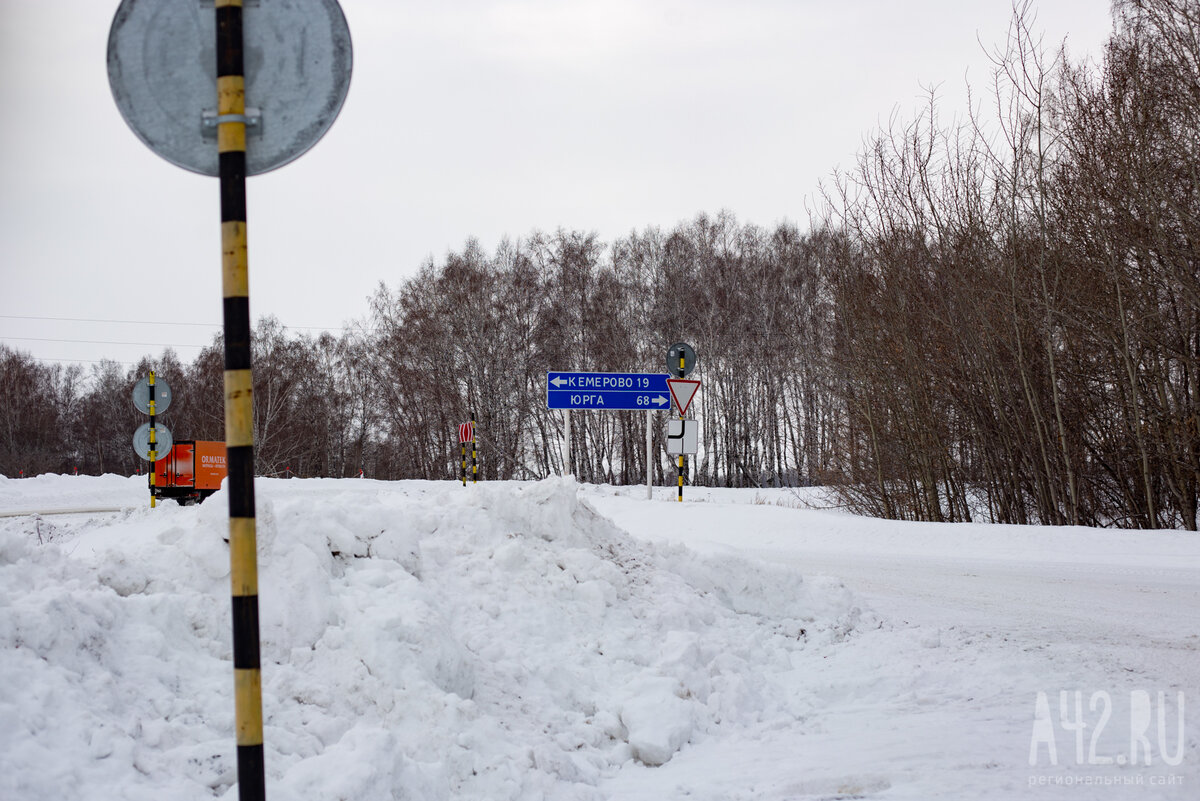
x=151 y=397
x=161 y=55
x=681 y=361
x=153 y=440
x=239 y=407
x=679 y=472
x=466 y=433
x=649 y=455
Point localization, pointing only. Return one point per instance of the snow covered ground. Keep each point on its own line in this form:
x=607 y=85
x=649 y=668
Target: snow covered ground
x=550 y=641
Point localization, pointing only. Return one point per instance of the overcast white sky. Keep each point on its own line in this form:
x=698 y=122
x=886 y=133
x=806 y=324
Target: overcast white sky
x=463 y=119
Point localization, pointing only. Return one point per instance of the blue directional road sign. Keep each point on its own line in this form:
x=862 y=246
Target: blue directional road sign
x=611 y=391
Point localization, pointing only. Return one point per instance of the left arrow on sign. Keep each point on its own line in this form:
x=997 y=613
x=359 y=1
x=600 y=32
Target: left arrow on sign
x=558 y=382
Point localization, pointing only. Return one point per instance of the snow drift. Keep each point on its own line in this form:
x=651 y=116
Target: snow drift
x=420 y=640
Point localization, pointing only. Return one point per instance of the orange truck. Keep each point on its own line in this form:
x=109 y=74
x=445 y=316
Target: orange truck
x=190 y=472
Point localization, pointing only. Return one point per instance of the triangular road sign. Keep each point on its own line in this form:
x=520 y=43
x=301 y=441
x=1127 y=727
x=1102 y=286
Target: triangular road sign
x=682 y=390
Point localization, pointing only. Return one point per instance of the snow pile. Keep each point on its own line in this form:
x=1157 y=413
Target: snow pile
x=420 y=640
x=54 y=492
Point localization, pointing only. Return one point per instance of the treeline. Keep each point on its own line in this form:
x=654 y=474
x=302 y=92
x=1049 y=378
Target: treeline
x=309 y=417
x=996 y=320
x=1018 y=314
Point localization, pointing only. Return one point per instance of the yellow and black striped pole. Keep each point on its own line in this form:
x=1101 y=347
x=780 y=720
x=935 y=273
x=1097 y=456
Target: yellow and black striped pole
x=463 y=461
x=239 y=408
x=682 y=367
x=474 y=463
x=153 y=441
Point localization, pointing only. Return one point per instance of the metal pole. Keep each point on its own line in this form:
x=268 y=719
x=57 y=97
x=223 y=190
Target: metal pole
x=682 y=367
x=239 y=409
x=462 y=470
x=649 y=447
x=153 y=442
x=474 y=463
x=567 y=453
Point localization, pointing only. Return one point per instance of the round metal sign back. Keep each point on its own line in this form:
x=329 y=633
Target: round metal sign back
x=163 y=441
x=141 y=396
x=674 y=353
x=162 y=70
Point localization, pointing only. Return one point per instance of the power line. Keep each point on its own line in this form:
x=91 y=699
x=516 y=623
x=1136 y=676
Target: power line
x=125 y=343
x=98 y=320
x=108 y=342
x=157 y=322
x=83 y=361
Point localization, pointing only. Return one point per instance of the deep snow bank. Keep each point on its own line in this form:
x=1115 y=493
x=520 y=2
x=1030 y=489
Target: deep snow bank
x=51 y=492
x=420 y=640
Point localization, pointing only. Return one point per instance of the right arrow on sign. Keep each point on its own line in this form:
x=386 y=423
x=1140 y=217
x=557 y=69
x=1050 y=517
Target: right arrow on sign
x=682 y=390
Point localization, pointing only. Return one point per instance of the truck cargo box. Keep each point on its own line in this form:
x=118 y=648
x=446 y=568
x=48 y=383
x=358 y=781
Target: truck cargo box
x=191 y=471
x=209 y=467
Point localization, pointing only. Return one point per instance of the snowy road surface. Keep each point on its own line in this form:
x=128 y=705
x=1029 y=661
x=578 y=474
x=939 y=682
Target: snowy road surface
x=427 y=641
x=1100 y=613
x=1128 y=593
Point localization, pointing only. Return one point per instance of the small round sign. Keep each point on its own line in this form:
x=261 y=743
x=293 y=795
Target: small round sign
x=162 y=68
x=162 y=444
x=141 y=396
x=674 y=353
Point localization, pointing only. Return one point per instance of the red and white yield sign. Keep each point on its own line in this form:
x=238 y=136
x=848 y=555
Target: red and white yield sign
x=466 y=432
x=682 y=390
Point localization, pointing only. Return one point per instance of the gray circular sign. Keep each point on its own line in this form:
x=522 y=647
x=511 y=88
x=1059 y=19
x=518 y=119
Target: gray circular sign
x=684 y=350
x=162 y=70
x=162 y=396
x=162 y=437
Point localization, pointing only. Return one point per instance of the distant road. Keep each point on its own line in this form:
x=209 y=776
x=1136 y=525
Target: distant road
x=79 y=511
